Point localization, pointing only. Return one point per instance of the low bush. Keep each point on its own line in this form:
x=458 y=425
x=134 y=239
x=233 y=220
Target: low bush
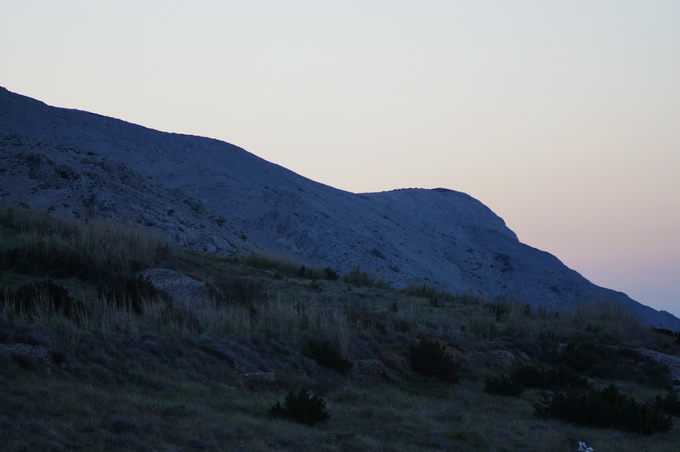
x=330 y=274
x=240 y=289
x=46 y=259
x=426 y=291
x=503 y=385
x=327 y=355
x=529 y=376
x=583 y=356
x=605 y=408
x=315 y=273
x=669 y=404
x=614 y=363
x=272 y=261
x=359 y=278
x=666 y=332
x=301 y=408
x=430 y=358
x=499 y=310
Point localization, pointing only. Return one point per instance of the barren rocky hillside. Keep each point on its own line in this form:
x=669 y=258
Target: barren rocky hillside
x=217 y=197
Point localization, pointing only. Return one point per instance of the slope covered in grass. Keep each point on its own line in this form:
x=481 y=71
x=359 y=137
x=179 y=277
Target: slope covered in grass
x=128 y=366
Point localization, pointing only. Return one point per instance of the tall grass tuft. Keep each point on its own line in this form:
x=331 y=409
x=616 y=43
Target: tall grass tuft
x=42 y=245
x=360 y=278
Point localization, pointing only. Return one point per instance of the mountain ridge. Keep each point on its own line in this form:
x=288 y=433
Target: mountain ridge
x=218 y=197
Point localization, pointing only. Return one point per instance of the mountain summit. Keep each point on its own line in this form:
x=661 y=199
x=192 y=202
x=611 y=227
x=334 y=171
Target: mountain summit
x=217 y=197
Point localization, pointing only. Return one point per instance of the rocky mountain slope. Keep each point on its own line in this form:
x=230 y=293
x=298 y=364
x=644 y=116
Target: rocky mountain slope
x=217 y=197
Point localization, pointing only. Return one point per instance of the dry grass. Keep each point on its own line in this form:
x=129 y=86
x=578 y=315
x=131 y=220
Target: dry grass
x=167 y=379
x=36 y=243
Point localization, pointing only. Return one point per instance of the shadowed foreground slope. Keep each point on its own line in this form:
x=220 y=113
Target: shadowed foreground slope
x=93 y=357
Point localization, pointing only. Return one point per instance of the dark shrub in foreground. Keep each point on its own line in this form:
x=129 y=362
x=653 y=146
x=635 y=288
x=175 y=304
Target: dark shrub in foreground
x=431 y=358
x=48 y=259
x=605 y=408
x=301 y=408
x=614 y=363
x=503 y=385
x=327 y=355
x=240 y=289
x=330 y=274
x=668 y=404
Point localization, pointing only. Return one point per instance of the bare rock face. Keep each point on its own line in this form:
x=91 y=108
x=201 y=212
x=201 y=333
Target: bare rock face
x=217 y=197
x=78 y=183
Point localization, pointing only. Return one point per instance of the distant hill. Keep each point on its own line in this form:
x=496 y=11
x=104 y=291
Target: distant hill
x=219 y=198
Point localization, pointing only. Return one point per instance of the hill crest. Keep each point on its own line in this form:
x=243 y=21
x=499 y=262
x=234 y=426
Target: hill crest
x=217 y=197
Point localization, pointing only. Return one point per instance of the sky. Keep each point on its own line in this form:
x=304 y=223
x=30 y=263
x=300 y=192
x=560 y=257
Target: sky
x=562 y=116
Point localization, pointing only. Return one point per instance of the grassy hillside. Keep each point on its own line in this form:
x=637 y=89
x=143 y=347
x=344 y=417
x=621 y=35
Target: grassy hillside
x=94 y=357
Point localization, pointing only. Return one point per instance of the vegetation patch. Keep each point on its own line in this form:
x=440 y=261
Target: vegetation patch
x=151 y=375
x=132 y=292
x=432 y=359
x=42 y=297
x=302 y=408
x=503 y=385
x=668 y=404
x=604 y=408
x=360 y=278
x=598 y=360
x=530 y=376
x=327 y=355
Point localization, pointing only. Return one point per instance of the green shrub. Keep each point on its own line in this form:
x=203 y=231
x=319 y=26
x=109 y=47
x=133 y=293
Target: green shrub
x=431 y=358
x=605 y=408
x=327 y=355
x=503 y=385
x=301 y=408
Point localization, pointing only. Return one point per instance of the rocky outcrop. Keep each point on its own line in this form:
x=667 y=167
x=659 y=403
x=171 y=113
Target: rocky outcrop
x=37 y=353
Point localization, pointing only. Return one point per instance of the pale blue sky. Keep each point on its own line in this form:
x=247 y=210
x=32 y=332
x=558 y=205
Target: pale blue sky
x=562 y=116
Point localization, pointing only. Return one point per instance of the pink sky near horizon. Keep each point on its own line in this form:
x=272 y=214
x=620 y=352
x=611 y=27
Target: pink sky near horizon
x=562 y=116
